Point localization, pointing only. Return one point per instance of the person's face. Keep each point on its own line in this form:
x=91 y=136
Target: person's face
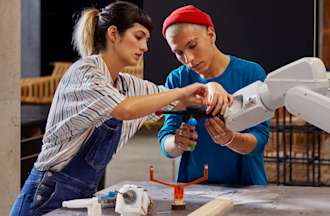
x=193 y=47
x=132 y=44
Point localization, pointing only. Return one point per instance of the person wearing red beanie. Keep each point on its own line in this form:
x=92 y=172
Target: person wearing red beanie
x=233 y=157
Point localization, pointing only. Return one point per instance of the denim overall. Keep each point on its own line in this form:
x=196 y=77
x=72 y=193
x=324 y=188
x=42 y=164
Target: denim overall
x=44 y=191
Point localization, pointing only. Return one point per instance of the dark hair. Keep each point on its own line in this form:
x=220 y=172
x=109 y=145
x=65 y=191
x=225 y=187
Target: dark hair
x=90 y=30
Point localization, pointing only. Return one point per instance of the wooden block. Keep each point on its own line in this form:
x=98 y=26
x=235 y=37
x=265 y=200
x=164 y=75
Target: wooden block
x=216 y=207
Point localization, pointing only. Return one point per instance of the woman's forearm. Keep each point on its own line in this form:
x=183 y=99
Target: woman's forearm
x=139 y=106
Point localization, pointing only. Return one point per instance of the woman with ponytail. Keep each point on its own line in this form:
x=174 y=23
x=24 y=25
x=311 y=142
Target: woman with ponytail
x=96 y=108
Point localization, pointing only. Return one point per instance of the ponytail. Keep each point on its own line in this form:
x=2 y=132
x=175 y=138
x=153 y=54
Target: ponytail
x=89 y=36
x=84 y=30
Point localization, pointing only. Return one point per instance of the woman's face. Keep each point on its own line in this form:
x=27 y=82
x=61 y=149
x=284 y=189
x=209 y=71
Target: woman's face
x=132 y=44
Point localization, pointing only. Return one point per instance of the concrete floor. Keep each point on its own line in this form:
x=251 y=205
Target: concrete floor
x=133 y=161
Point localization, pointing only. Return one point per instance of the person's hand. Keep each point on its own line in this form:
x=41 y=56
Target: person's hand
x=218 y=131
x=217 y=99
x=185 y=137
x=194 y=94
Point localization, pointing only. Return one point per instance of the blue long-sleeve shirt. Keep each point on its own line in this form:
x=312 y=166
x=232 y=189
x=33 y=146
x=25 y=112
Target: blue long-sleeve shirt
x=225 y=165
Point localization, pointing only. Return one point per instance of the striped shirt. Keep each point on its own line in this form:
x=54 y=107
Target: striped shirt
x=84 y=99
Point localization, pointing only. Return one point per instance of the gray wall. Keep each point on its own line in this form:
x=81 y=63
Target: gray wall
x=10 y=62
x=31 y=38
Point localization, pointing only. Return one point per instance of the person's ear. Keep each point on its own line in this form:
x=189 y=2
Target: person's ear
x=211 y=33
x=112 y=33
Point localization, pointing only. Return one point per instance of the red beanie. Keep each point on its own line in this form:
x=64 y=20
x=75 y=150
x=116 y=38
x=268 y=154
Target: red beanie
x=187 y=14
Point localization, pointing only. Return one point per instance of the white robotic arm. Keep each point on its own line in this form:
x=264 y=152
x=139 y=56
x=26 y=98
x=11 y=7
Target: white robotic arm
x=300 y=86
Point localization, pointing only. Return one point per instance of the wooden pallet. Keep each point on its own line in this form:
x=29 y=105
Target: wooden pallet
x=40 y=90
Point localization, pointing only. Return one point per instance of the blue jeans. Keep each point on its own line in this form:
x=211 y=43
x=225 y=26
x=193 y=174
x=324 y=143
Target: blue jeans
x=44 y=191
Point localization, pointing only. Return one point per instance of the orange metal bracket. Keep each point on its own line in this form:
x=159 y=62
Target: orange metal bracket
x=179 y=187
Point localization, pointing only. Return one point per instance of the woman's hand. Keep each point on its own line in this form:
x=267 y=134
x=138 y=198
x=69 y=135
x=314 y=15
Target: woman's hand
x=194 y=94
x=218 y=99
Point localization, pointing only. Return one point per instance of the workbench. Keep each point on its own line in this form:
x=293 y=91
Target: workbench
x=253 y=200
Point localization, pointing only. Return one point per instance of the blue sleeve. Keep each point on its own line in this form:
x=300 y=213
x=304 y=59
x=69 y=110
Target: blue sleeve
x=261 y=131
x=171 y=121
